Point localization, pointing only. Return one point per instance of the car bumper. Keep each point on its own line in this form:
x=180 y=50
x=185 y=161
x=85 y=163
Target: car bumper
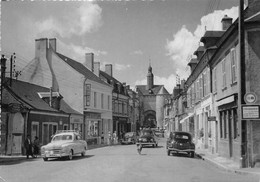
x=180 y=150
x=146 y=143
x=48 y=155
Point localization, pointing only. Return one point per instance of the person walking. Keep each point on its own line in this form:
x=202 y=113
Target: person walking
x=36 y=146
x=28 y=146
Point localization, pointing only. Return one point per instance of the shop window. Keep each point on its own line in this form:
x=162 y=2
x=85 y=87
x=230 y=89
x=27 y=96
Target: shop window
x=221 y=125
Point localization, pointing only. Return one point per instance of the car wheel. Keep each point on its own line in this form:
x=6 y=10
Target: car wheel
x=45 y=158
x=83 y=153
x=70 y=156
x=168 y=152
x=192 y=154
x=157 y=145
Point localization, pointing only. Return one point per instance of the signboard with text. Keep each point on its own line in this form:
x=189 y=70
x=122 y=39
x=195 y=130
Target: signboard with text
x=250 y=112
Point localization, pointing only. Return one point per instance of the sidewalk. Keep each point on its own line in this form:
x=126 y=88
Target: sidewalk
x=224 y=163
x=5 y=159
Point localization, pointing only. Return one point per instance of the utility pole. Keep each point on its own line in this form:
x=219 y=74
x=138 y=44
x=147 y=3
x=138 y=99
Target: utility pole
x=242 y=85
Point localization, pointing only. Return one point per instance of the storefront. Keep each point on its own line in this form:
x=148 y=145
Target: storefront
x=93 y=127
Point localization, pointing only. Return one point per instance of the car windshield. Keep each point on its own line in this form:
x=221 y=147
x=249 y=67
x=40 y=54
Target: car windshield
x=146 y=132
x=181 y=137
x=129 y=134
x=62 y=137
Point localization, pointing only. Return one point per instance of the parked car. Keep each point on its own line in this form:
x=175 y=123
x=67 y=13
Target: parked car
x=129 y=138
x=64 y=144
x=147 y=137
x=180 y=142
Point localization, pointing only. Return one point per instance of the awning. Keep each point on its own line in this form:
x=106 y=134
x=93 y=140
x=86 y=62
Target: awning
x=226 y=100
x=189 y=115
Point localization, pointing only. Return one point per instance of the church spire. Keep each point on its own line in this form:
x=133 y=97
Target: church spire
x=149 y=76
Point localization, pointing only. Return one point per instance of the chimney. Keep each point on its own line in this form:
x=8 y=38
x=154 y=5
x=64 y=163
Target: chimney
x=193 y=62
x=52 y=43
x=199 y=52
x=96 y=68
x=226 y=22
x=41 y=47
x=109 y=69
x=89 y=61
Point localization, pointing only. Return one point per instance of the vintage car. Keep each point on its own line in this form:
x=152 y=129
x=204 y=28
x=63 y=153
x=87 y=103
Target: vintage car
x=129 y=138
x=147 y=137
x=64 y=144
x=180 y=142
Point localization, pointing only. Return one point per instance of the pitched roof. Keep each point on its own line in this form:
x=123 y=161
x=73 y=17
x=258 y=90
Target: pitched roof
x=27 y=94
x=109 y=78
x=155 y=90
x=81 y=69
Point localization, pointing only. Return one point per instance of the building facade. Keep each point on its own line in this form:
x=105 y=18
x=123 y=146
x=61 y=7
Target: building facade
x=152 y=99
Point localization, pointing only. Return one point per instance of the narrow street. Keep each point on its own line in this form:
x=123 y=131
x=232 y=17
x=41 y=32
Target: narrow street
x=120 y=163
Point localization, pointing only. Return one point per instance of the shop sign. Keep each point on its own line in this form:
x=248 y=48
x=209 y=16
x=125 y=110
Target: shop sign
x=212 y=118
x=250 y=112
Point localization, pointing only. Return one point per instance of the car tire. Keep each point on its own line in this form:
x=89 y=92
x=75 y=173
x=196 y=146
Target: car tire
x=83 y=153
x=70 y=156
x=168 y=152
x=192 y=154
x=45 y=158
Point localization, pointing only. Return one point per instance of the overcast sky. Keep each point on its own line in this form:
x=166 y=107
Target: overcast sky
x=124 y=33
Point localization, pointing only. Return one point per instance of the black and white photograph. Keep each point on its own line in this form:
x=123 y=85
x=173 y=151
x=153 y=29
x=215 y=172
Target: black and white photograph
x=130 y=91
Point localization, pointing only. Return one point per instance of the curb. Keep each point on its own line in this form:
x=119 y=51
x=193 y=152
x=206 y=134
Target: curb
x=220 y=166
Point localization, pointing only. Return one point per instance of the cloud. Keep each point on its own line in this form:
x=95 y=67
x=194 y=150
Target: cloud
x=168 y=83
x=80 y=20
x=184 y=42
x=137 y=52
x=121 y=67
x=77 y=52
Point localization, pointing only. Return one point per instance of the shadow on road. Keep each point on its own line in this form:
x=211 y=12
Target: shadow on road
x=16 y=161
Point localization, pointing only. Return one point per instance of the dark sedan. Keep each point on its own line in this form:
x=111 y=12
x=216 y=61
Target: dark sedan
x=147 y=137
x=129 y=138
x=180 y=142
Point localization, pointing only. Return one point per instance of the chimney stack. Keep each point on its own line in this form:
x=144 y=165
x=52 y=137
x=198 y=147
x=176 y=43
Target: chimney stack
x=109 y=69
x=89 y=61
x=96 y=68
x=41 y=47
x=52 y=43
x=226 y=22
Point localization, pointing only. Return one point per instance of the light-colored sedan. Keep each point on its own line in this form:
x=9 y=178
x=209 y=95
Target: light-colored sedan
x=64 y=144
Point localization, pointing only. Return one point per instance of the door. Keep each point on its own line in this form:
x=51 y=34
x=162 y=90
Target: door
x=230 y=119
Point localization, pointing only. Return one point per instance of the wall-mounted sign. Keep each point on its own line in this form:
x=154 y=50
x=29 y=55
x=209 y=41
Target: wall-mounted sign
x=250 y=98
x=250 y=112
x=212 y=118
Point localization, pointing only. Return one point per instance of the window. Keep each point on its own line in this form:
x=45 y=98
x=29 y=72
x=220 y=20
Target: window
x=204 y=80
x=201 y=87
x=95 y=99
x=87 y=94
x=215 y=80
x=224 y=81
x=198 y=91
x=102 y=101
x=233 y=66
x=221 y=125
x=108 y=102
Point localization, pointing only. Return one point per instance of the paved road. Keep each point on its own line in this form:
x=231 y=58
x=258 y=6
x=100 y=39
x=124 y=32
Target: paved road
x=120 y=163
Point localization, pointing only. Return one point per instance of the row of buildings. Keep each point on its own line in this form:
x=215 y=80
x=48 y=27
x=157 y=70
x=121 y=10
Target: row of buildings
x=54 y=92
x=219 y=101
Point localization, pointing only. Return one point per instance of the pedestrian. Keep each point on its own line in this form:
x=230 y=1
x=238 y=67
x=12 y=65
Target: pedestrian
x=28 y=146
x=36 y=146
x=139 y=148
x=109 y=138
x=114 y=138
x=102 y=137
